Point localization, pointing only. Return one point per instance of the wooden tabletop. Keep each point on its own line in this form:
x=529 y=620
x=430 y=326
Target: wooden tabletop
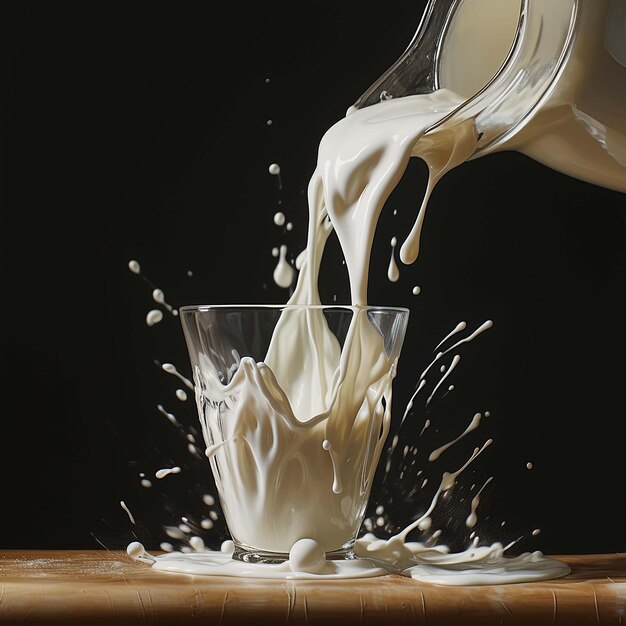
x=91 y=587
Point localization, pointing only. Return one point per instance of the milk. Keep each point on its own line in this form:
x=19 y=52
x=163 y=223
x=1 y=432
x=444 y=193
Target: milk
x=310 y=407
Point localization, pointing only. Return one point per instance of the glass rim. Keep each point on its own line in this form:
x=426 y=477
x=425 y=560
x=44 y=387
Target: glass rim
x=205 y=308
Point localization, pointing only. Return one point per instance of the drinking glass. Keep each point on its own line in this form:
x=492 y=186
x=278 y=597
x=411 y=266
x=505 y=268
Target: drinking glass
x=295 y=406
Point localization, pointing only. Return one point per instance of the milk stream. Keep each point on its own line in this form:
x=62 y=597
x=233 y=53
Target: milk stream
x=320 y=411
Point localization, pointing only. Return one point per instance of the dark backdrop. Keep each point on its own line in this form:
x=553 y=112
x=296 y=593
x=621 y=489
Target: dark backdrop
x=138 y=130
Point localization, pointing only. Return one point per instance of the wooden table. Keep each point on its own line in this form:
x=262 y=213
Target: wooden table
x=91 y=587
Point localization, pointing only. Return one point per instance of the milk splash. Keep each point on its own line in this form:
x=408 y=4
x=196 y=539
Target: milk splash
x=361 y=159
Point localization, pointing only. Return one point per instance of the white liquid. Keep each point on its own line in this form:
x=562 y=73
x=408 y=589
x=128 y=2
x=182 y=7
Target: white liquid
x=305 y=485
x=154 y=317
x=393 y=273
x=284 y=273
x=171 y=369
x=127 y=510
x=162 y=473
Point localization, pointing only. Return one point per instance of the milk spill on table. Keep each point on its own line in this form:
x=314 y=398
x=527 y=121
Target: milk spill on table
x=313 y=408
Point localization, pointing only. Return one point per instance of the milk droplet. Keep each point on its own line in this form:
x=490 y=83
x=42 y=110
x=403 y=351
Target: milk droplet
x=171 y=369
x=154 y=317
x=190 y=274
x=307 y=555
x=184 y=528
x=269 y=122
x=274 y=169
x=289 y=226
x=146 y=483
x=134 y=267
x=283 y=273
x=174 y=532
x=279 y=218
x=181 y=394
x=135 y=550
x=380 y=521
x=529 y=465
x=536 y=532
x=213 y=515
x=275 y=252
x=393 y=273
x=416 y=290
x=227 y=547
x=158 y=296
x=162 y=473
x=380 y=510
x=197 y=544
x=127 y=510
x=207 y=524
x=208 y=499
x=166 y=547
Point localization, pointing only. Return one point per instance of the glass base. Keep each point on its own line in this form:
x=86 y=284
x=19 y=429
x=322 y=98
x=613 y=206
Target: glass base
x=252 y=555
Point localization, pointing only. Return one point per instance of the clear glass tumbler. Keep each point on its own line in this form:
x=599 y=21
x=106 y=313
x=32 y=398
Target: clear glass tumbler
x=295 y=405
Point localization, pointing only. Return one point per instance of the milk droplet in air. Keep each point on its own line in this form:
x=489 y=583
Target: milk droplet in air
x=127 y=510
x=181 y=394
x=416 y=290
x=162 y=473
x=275 y=252
x=154 y=317
x=167 y=547
x=134 y=267
x=536 y=532
x=393 y=273
x=274 y=169
x=145 y=483
x=289 y=226
x=269 y=122
x=529 y=465
x=283 y=273
x=207 y=524
x=197 y=544
x=279 y=218
x=208 y=499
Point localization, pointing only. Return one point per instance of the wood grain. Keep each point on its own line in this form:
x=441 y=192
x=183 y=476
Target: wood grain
x=91 y=587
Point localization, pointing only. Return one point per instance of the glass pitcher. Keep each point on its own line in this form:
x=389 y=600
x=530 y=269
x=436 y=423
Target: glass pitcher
x=543 y=77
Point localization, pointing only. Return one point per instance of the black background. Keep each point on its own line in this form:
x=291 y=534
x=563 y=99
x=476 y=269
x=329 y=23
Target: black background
x=138 y=130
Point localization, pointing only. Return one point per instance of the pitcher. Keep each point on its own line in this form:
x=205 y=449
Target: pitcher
x=543 y=77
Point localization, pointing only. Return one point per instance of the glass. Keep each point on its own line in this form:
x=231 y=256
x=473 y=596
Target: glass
x=295 y=406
